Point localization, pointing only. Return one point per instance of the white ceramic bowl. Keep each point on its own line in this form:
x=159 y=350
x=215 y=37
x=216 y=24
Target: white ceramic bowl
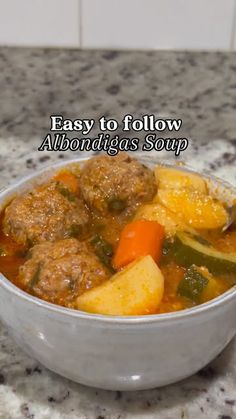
x=117 y=353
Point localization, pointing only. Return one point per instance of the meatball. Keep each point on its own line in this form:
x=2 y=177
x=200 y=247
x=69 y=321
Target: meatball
x=48 y=213
x=61 y=271
x=116 y=183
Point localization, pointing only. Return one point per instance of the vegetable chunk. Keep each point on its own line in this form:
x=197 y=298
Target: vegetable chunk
x=188 y=251
x=193 y=284
x=69 y=180
x=136 y=290
x=198 y=210
x=199 y=285
x=168 y=219
x=139 y=238
x=170 y=178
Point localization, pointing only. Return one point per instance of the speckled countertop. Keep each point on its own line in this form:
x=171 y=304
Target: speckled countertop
x=200 y=88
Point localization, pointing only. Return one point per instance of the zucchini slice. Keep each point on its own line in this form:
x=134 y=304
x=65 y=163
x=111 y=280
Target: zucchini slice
x=193 y=284
x=189 y=251
x=199 y=285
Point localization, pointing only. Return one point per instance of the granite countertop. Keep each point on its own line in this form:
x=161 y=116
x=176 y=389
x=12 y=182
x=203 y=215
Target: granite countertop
x=198 y=87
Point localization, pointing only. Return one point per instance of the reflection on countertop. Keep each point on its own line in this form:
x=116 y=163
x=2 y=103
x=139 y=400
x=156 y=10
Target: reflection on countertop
x=198 y=87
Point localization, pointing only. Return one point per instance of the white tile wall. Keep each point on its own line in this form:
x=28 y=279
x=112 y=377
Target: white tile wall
x=157 y=24
x=39 y=23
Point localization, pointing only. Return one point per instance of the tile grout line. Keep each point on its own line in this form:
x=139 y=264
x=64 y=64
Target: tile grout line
x=80 y=24
x=233 y=31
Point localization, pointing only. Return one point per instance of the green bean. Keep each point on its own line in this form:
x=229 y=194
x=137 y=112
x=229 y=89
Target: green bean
x=75 y=230
x=66 y=193
x=103 y=250
x=36 y=277
x=116 y=205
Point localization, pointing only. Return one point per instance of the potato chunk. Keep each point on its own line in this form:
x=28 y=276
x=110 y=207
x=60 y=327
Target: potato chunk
x=170 y=178
x=165 y=217
x=198 y=210
x=136 y=290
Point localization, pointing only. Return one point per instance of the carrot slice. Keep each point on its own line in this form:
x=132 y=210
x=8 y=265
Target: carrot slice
x=139 y=238
x=68 y=179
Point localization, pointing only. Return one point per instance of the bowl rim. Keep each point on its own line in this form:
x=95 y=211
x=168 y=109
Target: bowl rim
x=207 y=307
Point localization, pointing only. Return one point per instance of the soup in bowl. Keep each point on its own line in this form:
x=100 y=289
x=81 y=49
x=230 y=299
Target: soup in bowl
x=118 y=274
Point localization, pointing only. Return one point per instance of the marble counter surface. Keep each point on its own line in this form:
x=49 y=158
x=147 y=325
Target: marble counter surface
x=200 y=88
